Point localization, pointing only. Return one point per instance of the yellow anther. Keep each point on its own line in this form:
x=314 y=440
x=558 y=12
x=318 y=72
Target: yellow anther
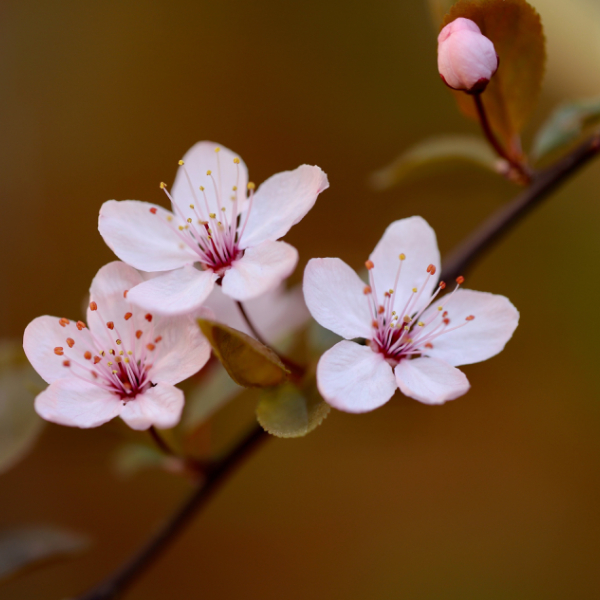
x=192 y=206
x=234 y=188
x=181 y=228
x=209 y=172
x=126 y=360
x=181 y=163
x=163 y=185
x=169 y=218
x=402 y=257
x=236 y=161
x=111 y=351
x=407 y=319
x=114 y=372
x=406 y=328
x=440 y=308
x=391 y=291
x=189 y=220
x=409 y=341
x=110 y=363
x=118 y=342
x=421 y=324
x=129 y=352
x=102 y=353
x=212 y=215
x=393 y=312
x=201 y=188
x=121 y=352
x=251 y=185
x=217 y=149
x=415 y=290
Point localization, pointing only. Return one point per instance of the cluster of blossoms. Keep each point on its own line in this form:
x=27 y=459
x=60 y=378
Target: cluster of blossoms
x=141 y=338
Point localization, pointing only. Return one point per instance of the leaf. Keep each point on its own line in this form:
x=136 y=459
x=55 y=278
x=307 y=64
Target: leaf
x=248 y=362
x=25 y=546
x=288 y=412
x=515 y=28
x=565 y=125
x=433 y=153
x=20 y=425
x=214 y=390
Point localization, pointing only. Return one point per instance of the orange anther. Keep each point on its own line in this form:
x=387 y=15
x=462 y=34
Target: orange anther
x=158 y=339
x=442 y=285
x=367 y=289
x=375 y=324
x=470 y=318
x=460 y=280
x=148 y=317
x=428 y=345
x=380 y=310
x=66 y=363
x=125 y=293
x=80 y=325
x=369 y=264
x=431 y=269
x=93 y=306
x=97 y=359
x=59 y=351
x=446 y=321
x=128 y=316
x=150 y=347
x=445 y=314
x=87 y=355
x=153 y=210
x=70 y=342
x=63 y=322
x=138 y=334
x=110 y=325
x=95 y=375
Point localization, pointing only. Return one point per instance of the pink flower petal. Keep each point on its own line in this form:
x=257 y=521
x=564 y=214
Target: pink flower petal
x=47 y=345
x=199 y=159
x=414 y=238
x=76 y=403
x=261 y=269
x=160 y=406
x=181 y=351
x=180 y=291
x=281 y=201
x=143 y=238
x=430 y=380
x=495 y=321
x=354 y=379
x=335 y=297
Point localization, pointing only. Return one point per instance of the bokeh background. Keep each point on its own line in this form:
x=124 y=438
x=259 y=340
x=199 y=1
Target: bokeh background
x=493 y=496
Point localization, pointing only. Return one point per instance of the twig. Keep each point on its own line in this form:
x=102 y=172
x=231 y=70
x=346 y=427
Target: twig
x=216 y=475
x=161 y=443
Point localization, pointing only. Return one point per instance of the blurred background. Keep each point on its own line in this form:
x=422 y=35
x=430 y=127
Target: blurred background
x=493 y=496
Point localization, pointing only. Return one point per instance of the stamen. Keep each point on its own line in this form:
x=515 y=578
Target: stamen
x=70 y=342
x=369 y=264
x=93 y=306
x=66 y=363
x=80 y=325
x=153 y=210
x=63 y=322
x=148 y=317
x=87 y=355
x=128 y=316
x=110 y=325
x=59 y=351
x=138 y=334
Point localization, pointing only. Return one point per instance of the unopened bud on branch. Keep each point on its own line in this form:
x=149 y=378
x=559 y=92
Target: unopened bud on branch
x=467 y=59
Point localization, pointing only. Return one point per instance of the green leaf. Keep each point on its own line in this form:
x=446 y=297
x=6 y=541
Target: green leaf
x=515 y=28
x=25 y=546
x=433 y=153
x=248 y=362
x=20 y=426
x=288 y=412
x=565 y=125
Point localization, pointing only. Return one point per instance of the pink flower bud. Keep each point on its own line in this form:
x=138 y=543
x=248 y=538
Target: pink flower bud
x=467 y=59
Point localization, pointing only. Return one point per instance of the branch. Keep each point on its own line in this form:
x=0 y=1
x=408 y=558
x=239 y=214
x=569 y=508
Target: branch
x=116 y=583
x=491 y=230
x=473 y=247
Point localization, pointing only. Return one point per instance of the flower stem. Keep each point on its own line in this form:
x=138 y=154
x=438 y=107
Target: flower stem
x=493 y=140
x=250 y=324
x=217 y=473
x=120 y=580
x=510 y=214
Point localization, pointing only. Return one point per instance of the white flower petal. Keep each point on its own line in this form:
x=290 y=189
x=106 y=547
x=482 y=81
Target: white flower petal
x=261 y=269
x=495 y=321
x=177 y=292
x=281 y=201
x=354 y=379
x=160 y=406
x=112 y=280
x=181 y=351
x=275 y=314
x=143 y=239
x=199 y=159
x=76 y=403
x=43 y=335
x=430 y=380
x=414 y=238
x=335 y=297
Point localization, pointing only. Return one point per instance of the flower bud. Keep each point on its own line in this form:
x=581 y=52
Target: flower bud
x=467 y=59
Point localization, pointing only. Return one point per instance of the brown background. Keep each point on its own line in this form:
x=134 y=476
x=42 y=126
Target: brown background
x=493 y=496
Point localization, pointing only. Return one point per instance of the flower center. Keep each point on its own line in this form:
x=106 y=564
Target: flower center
x=213 y=236
x=110 y=364
x=398 y=331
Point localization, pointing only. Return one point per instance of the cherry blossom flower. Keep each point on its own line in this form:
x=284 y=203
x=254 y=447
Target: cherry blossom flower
x=215 y=233
x=467 y=59
x=414 y=339
x=125 y=364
